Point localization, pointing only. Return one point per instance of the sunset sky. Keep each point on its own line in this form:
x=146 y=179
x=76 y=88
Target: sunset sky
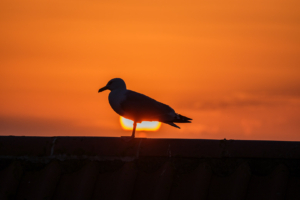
x=232 y=66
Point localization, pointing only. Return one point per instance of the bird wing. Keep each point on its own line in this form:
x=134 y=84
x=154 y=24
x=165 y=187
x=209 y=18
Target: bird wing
x=140 y=107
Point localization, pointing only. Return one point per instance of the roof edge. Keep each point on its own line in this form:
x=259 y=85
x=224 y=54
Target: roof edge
x=98 y=148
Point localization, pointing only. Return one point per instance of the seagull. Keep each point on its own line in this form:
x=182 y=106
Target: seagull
x=138 y=107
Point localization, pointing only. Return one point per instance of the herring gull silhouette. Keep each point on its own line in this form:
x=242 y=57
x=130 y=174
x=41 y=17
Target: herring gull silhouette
x=139 y=107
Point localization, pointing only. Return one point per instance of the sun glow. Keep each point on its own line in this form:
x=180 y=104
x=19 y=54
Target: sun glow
x=127 y=124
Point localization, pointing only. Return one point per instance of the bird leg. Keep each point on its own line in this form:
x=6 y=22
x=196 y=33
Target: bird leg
x=128 y=139
x=133 y=129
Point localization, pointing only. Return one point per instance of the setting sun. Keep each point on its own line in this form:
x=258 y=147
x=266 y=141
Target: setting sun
x=127 y=124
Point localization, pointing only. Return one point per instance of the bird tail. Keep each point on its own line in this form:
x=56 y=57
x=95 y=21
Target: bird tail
x=172 y=124
x=181 y=119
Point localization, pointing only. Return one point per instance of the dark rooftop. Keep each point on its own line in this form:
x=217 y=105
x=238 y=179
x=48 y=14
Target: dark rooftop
x=111 y=168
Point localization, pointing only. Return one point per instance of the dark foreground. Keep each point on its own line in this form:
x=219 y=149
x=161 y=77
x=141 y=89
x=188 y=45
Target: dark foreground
x=110 y=168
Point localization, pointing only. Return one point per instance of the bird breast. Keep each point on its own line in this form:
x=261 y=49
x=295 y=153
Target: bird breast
x=116 y=97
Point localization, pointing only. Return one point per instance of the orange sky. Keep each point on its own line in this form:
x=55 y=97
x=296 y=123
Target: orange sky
x=232 y=66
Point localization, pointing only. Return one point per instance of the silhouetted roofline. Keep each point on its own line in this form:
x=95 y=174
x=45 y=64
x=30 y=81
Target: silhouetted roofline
x=174 y=169
x=116 y=147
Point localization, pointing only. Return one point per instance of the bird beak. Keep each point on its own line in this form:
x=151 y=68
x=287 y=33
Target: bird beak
x=102 y=89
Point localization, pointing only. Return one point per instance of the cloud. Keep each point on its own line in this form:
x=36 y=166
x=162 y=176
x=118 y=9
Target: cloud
x=32 y=126
x=245 y=101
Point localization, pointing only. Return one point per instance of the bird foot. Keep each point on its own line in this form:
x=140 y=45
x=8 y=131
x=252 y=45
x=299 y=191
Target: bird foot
x=127 y=138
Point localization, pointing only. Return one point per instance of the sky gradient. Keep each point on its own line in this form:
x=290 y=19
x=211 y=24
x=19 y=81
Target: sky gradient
x=233 y=67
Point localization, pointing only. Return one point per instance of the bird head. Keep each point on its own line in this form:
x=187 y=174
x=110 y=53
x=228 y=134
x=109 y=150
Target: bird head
x=114 y=84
